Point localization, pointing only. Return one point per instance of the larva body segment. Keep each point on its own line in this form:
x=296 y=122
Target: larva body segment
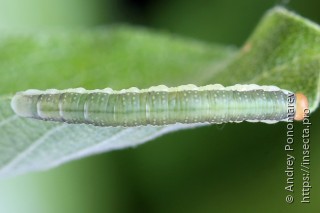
x=156 y=106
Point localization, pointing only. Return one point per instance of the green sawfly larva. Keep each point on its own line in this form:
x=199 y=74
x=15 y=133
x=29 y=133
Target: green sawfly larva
x=161 y=105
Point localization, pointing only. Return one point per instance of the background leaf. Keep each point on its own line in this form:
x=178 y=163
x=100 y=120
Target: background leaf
x=276 y=54
x=283 y=51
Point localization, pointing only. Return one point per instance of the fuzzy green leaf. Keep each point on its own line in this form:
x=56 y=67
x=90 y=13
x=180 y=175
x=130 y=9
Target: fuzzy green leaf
x=283 y=51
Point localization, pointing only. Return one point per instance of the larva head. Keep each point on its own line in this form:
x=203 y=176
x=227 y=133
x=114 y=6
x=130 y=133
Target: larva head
x=23 y=105
x=301 y=105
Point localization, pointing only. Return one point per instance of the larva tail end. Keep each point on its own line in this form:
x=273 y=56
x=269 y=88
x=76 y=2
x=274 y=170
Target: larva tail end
x=21 y=105
x=301 y=105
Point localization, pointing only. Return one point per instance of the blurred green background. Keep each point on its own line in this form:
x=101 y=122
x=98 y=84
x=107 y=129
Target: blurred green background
x=229 y=168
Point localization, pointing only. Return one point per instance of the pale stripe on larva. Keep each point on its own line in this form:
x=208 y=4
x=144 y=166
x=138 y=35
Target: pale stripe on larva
x=160 y=105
